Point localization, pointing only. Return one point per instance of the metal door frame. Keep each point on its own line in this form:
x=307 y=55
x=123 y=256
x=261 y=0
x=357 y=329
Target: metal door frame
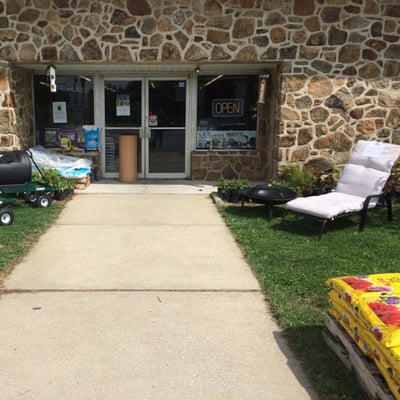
x=146 y=132
x=143 y=130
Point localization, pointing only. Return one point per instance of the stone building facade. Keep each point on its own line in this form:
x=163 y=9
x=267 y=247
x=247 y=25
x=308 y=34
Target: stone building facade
x=333 y=67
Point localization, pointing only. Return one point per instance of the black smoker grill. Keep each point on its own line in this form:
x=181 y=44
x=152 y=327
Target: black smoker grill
x=15 y=167
x=15 y=179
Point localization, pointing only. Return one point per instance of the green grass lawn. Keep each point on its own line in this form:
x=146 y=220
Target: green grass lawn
x=29 y=224
x=292 y=266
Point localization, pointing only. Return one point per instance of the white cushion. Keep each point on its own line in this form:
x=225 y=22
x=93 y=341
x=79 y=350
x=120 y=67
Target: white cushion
x=360 y=181
x=382 y=159
x=327 y=205
x=368 y=168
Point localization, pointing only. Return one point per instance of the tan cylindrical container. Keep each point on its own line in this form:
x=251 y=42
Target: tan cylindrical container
x=128 y=158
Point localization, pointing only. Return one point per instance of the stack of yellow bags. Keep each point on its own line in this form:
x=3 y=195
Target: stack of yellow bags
x=368 y=308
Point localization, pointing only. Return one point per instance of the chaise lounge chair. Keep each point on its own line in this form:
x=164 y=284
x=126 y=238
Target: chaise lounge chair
x=359 y=189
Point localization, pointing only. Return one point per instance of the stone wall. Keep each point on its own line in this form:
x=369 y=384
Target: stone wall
x=343 y=84
x=16 y=108
x=339 y=59
x=9 y=140
x=22 y=93
x=214 y=164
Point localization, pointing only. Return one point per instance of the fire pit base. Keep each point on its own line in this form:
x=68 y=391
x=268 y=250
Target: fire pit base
x=269 y=195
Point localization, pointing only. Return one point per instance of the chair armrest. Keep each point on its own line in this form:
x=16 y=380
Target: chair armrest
x=369 y=198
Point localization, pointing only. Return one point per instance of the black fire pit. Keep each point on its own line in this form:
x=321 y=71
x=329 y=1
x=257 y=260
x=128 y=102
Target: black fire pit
x=269 y=195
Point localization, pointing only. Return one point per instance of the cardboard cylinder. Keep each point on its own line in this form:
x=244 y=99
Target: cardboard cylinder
x=128 y=158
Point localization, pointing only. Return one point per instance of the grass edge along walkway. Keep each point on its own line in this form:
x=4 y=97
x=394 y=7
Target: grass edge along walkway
x=292 y=267
x=29 y=224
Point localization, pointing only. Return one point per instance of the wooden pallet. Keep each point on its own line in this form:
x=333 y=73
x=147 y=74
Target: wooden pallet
x=352 y=357
x=82 y=183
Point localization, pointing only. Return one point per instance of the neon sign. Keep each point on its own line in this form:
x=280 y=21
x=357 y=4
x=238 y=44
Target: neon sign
x=227 y=107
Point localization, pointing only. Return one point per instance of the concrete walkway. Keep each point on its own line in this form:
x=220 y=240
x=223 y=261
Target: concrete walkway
x=140 y=292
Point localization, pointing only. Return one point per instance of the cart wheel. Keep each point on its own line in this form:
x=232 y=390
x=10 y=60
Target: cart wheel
x=31 y=198
x=43 y=201
x=6 y=216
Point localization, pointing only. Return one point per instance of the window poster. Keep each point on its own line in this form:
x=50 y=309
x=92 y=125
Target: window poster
x=123 y=105
x=59 y=112
x=50 y=137
x=226 y=139
x=92 y=137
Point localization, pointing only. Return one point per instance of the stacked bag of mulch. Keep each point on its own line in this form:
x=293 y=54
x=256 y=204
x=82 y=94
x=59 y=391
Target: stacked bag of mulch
x=368 y=308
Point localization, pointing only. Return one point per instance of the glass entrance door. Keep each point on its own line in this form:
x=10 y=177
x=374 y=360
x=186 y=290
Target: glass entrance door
x=165 y=130
x=123 y=115
x=154 y=110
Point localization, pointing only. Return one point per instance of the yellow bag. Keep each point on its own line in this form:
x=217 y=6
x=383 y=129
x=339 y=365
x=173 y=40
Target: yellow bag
x=387 y=360
x=375 y=300
x=368 y=308
x=393 y=385
x=351 y=286
x=381 y=313
x=348 y=321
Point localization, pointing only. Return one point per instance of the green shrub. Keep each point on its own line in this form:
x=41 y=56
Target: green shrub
x=225 y=185
x=329 y=179
x=52 y=177
x=231 y=189
x=302 y=180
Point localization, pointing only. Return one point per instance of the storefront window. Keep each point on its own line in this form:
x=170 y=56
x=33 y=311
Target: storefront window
x=227 y=112
x=63 y=114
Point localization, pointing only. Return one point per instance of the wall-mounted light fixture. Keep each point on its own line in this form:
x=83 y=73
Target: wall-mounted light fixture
x=51 y=72
x=197 y=69
x=262 y=87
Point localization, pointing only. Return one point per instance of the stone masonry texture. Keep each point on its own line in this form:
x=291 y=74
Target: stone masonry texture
x=336 y=64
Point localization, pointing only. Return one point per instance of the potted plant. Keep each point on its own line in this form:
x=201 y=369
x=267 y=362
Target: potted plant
x=63 y=187
x=231 y=189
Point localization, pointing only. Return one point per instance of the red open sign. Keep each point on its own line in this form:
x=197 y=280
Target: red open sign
x=227 y=107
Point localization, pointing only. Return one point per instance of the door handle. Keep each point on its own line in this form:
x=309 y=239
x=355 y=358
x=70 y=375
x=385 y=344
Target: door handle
x=147 y=134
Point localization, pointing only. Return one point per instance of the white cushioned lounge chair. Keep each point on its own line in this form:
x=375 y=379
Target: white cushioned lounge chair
x=359 y=189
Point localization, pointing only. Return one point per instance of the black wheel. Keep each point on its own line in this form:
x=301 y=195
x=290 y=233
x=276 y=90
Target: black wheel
x=31 y=198
x=43 y=201
x=6 y=216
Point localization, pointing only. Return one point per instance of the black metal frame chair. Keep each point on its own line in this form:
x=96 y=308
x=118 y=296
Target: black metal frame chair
x=359 y=189
x=383 y=201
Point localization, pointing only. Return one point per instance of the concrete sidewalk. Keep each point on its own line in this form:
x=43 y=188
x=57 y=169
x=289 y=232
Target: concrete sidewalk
x=140 y=292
